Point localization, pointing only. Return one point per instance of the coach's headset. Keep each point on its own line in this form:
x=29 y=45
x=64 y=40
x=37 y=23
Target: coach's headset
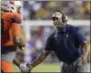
x=61 y=16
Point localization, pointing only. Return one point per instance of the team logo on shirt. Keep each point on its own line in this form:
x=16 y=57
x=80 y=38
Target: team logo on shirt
x=67 y=35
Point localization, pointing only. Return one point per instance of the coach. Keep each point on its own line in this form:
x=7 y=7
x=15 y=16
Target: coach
x=68 y=43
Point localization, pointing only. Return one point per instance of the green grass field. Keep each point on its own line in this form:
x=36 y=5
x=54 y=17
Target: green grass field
x=44 y=68
x=47 y=68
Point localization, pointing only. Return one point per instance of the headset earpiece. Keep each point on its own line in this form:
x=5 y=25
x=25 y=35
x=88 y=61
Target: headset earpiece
x=64 y=18
x=61 y=15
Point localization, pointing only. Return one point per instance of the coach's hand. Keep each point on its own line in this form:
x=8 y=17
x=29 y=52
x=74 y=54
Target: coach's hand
x=83 y=60
x=25 y=68
x=30 y=66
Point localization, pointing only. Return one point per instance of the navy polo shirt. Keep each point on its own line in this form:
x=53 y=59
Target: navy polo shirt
x=65 y=42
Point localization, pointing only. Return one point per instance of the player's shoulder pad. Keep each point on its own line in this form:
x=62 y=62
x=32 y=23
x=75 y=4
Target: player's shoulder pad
x=16 y=17
x=7 y=16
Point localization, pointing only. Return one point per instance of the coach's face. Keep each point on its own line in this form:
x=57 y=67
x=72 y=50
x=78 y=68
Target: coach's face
x=57 y=19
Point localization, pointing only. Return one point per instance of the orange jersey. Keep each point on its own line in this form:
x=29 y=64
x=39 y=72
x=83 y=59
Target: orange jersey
x=11 y=27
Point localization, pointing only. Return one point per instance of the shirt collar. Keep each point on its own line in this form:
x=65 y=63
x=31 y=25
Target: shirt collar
x=61 y=29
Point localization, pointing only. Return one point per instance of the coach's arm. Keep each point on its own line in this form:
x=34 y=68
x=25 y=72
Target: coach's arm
x=47 y=50
x=40 y=59
x=83 y=45
x=85 y=52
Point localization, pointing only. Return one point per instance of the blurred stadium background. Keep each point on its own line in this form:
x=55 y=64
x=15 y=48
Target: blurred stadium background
x=37 y=26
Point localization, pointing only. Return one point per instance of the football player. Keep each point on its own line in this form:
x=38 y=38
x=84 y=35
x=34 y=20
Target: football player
x=11 y=35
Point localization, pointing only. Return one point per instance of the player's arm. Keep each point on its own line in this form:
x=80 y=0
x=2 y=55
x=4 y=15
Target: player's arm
x=16 y=32
x=41 y=58
x=17 y=37
x=19 y=58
